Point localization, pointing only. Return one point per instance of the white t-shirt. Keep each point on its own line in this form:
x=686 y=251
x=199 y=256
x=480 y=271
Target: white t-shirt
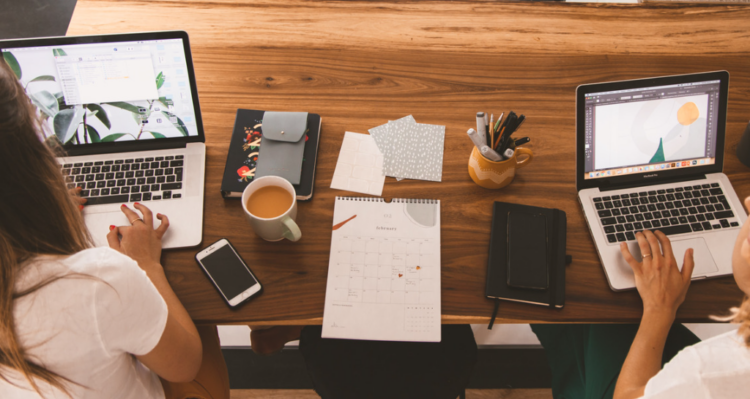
x=86 y=328
x=716 y=368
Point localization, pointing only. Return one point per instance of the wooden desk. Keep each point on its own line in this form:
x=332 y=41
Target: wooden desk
x=359 y=64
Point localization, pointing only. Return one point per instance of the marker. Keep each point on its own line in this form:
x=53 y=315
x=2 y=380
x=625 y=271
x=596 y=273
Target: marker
x=476 y=139
x=490 y=154
x=520 y=122
x=480 y=127
x=511 y=124
x=509 y=153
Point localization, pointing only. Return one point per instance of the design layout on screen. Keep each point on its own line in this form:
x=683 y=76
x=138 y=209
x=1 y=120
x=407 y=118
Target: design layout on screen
x=105 y=92
x=651 y=128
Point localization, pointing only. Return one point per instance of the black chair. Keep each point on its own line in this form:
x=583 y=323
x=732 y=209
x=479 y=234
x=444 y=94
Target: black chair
x=344 y=369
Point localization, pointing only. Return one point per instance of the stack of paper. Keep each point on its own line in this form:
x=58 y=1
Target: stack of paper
x=411 y=150
x=403 y=149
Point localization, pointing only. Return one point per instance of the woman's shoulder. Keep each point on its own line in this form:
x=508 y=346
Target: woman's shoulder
x=724 y=353
x=106 y=264
x=100 y=262
x=721 y=360
x=724 y=350
x=91 y=259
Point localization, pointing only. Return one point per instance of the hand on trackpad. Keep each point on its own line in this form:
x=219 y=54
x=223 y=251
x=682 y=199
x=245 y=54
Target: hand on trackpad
x=704 y=262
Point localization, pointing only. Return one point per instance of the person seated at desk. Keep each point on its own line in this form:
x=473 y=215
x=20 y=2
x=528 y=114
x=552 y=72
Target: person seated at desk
x=655 y=359
x=78 y=321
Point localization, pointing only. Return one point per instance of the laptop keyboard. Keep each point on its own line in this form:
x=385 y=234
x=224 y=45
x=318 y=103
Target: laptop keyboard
x=676 y=210
x=127 y=180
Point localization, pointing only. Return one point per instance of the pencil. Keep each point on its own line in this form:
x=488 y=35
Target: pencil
x=492 y=131
x=496 y=142
x=497 y=124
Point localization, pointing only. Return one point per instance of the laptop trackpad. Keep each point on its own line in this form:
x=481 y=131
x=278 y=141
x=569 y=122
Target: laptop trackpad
x=704 y=262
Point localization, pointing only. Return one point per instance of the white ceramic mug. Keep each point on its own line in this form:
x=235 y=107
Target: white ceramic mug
x=279 y=227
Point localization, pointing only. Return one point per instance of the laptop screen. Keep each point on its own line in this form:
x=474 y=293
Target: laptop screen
x=105 y=92
x=648 y=129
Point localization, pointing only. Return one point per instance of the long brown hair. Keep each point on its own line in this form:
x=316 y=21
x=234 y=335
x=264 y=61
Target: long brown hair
x=37 y=216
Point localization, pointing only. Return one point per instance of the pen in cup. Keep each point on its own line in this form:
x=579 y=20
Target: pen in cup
x=490 y=154
x=487 y=130
x=497 y=124
x=481 y=130
x=476 y=139
x=490 y=128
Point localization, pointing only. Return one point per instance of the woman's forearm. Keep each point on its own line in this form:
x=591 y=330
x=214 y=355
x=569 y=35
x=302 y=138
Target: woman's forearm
x=156 y=274
x=645 y=355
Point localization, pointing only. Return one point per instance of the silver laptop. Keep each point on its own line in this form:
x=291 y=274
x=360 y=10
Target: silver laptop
x=649 y=156
x=126 y=108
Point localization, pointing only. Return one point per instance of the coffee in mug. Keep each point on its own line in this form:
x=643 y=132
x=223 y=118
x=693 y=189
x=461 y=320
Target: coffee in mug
x=270 y=205
x=269 y=202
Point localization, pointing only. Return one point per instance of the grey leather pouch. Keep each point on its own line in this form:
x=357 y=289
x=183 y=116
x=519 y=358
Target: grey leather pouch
x=283 y=145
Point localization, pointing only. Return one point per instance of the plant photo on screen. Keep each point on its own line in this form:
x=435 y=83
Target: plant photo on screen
x=75 y=123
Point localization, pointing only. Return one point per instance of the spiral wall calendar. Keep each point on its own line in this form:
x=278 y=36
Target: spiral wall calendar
x=384 y=270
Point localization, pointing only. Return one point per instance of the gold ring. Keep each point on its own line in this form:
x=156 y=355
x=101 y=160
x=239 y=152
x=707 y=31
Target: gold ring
x=646 y=255
x=136 y=219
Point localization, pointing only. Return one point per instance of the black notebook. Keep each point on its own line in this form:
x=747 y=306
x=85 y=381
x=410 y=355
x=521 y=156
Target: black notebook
x=527 y=255
x=244 y=148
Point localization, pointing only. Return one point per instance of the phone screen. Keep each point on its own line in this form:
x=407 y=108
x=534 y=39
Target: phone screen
x=228 y=272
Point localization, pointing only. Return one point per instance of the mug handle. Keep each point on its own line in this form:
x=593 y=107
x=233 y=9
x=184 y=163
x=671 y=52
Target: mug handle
x=293 y=232
x=521 y=150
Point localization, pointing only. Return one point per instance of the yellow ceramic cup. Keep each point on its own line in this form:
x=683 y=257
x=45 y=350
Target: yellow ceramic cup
x=490 y=174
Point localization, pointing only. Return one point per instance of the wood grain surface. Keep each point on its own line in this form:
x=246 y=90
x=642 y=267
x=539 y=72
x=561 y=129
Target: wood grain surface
x=360 y=64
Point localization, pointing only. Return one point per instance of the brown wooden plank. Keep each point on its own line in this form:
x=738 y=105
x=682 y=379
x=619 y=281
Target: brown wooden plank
x=359 y=64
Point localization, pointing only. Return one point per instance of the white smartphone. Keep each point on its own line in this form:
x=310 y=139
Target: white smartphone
x=229 y=273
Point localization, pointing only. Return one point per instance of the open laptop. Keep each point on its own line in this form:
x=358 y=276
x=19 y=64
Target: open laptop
x=126 y=108
x=649 y=156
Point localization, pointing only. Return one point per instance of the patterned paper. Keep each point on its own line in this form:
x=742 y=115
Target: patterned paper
x=416 y=152
x=381 y=133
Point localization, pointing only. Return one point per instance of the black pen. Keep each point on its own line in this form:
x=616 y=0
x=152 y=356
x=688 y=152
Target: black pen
x=517 y=123
x=521 y=141
x=509 y=127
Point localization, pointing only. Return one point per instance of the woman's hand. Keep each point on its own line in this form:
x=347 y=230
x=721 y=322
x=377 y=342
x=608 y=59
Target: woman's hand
x=659 y=282
x=140 y=240
x=75 y=192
